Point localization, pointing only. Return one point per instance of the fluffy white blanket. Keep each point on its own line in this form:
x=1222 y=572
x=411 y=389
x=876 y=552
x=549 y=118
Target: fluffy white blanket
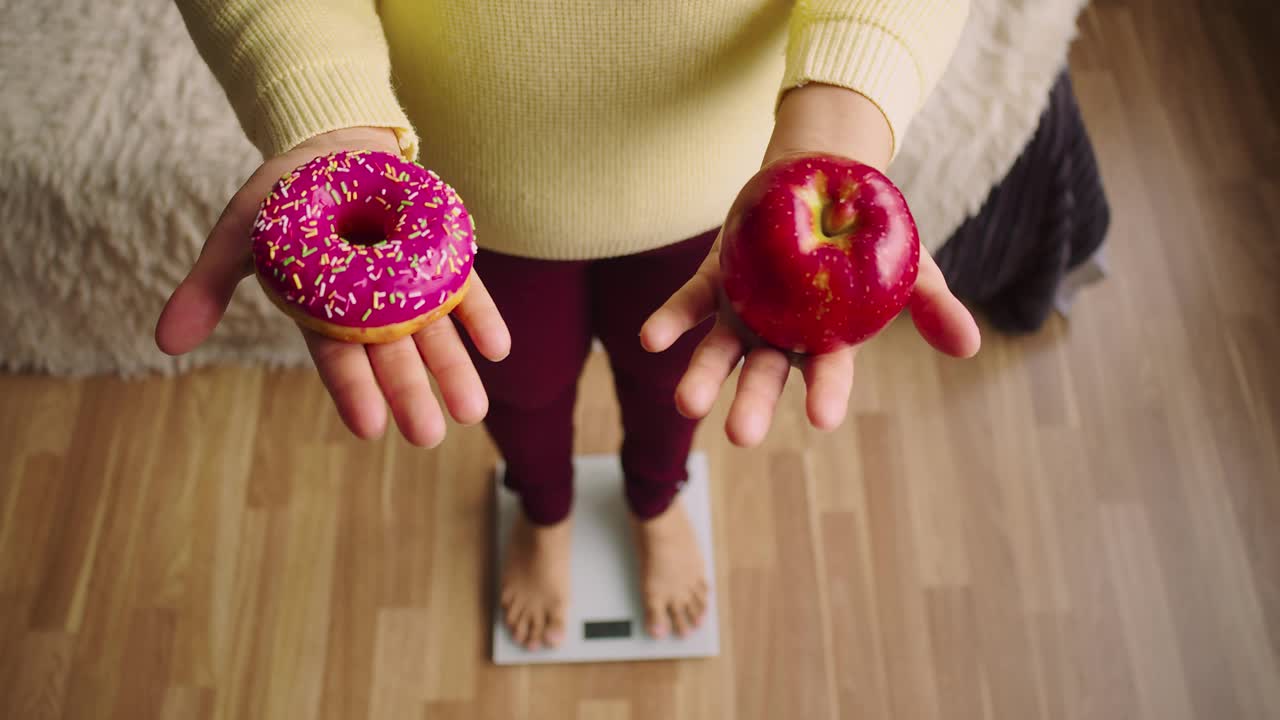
x=118 y=149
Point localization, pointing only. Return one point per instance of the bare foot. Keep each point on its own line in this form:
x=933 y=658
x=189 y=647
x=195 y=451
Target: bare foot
x=672 y=574
x=535 y=582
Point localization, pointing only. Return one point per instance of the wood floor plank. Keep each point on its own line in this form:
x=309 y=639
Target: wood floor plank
x=858 y=657
x=754 y=666
x=903 y=627
x=926 y=466
x=461 y=595
x=148 y=654
x=961 y=681
x=400 y=663
x=187 y=703
x=1096 y=674
x=1148 y=628
x=110 y=445
x=366 y=563
x=997 y=537
x=38 y=488
x=749 y=515
x=603 y=710
x=795 y=634
x=34 y=685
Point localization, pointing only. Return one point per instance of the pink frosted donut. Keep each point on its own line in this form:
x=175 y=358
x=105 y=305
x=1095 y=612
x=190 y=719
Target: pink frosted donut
x=363 y=246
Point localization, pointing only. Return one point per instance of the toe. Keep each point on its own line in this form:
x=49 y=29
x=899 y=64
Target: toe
x=655 y=618
x=554 y=634
x=693 y=614
x=512 y=615
x=508 y=597
x=698 y=608
x=678 y=619
x=537 y=621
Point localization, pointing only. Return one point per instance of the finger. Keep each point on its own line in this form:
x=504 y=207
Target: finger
x=199 y=301
x=713 y=360
x=939 y=316
x=483 y=322
x=690 y=305
x=344 y=369
x=404 y=383
x=759 y=387
x=447 y=359
x=828 y=380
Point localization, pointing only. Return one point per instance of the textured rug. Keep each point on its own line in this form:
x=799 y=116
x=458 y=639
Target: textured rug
x=118 y=150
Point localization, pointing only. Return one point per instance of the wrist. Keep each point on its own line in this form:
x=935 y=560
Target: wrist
x=354 y=138
x=829 y=119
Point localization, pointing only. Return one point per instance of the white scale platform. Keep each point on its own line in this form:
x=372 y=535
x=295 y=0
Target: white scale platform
x=606 y=613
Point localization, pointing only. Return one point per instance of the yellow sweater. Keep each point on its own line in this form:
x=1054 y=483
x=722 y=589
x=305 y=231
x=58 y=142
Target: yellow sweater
x=573 y=129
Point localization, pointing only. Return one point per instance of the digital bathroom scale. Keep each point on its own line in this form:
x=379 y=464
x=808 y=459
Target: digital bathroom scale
x=606 y=613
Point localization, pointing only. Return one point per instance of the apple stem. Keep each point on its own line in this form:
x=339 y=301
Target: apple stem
x=838 y=218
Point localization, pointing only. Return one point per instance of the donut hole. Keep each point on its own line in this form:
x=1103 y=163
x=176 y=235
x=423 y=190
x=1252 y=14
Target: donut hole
x=364 y=226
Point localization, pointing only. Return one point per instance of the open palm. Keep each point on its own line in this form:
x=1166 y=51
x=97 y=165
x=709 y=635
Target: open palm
x=939 y=317
x=363 y=379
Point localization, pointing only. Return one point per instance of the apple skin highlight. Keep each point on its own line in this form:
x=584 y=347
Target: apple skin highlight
x=818 y=252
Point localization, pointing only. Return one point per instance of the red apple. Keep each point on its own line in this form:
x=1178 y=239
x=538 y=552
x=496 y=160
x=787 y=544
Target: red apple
x=818 y=252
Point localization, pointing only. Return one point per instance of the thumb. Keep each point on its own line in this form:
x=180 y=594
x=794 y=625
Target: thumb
x=198 y=303
x=694 y=302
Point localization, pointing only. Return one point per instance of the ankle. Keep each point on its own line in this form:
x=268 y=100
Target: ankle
x=545 y=509
x=647 y=501
x=661 y=522
x=538 y=529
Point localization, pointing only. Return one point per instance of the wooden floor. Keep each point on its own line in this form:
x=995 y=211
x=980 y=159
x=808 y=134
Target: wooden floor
x=1081 y=524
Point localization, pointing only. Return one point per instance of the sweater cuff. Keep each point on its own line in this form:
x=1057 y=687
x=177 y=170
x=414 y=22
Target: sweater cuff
x=308 y=101
x=863 y=58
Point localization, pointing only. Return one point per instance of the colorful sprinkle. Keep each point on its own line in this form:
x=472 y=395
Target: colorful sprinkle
x=395 y=278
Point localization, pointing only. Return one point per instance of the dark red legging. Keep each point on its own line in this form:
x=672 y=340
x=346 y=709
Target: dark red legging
x=553 y=309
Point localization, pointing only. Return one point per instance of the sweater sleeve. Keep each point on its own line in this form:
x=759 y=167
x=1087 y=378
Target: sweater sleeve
x=293 y=69
x=891 y=51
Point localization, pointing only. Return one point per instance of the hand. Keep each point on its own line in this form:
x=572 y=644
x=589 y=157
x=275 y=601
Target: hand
x=358 y=377
x=814 y=118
